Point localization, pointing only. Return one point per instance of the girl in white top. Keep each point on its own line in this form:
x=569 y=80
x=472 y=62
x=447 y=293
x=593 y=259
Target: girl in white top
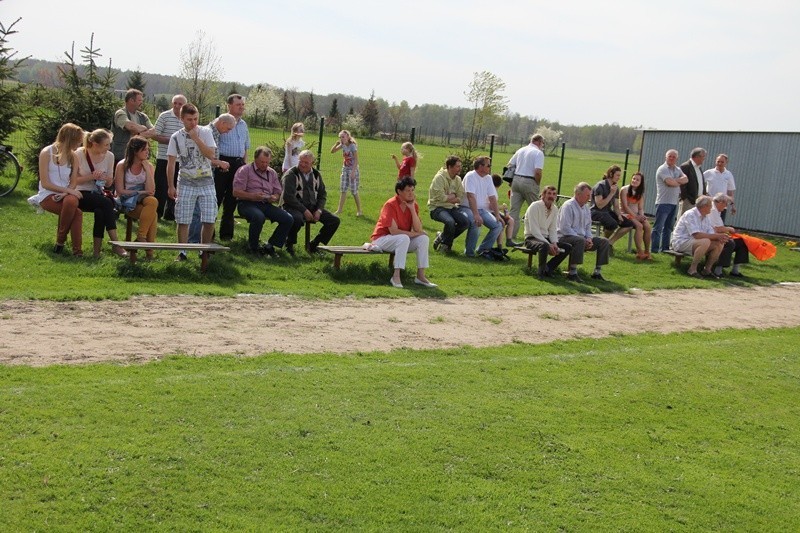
x=135 y=175
x=95 y=173
x=294 y=145
x=56 y=194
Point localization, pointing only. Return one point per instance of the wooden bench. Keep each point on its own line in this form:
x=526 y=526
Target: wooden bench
x=522 y=248
x=795 y=249
x=677 y=255
x=205 y=249
x=339 y=251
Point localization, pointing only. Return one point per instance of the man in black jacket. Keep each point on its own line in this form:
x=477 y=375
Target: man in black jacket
x=696 y=185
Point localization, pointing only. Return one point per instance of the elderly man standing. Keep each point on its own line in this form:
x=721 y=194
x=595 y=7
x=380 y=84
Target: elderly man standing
x=669 y=178
x=735 y=248
x=233 y=147
x=529 y=162
x=482 y=198
x=259 y=190
x=720 y=180
x=445 y=199
x=541 y=232
x=696 y=185
x=575 y=230
x=694 y=235
x=304 y=197
x=129 y=121
x=167 y=123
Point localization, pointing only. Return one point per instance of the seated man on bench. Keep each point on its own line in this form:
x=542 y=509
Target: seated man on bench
x=304 y=197
x=258 y=189
x=541 y=233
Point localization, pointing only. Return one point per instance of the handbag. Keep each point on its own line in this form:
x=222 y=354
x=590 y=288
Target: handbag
x=508 y=173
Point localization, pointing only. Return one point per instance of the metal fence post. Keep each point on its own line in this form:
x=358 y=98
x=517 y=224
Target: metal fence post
x=561 y=167
x=319 y=145
x=413 y=134
x=491 y=145
x=625 y=168
x=216 y=112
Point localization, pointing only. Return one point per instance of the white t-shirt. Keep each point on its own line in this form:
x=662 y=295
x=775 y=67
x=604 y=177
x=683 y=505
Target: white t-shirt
x=528 y=159
x=717 y=181
x=194 y=165
x=481 y=187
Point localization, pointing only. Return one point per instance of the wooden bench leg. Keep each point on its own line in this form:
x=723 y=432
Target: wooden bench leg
x=678 y=259
x=530 y=261
x=128 y=227
x=337 y=260
x=204 y=261
x=308 y=233
x=132 y=256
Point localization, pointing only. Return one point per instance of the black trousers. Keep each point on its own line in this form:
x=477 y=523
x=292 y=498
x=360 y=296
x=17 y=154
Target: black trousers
x=105 y=218
x=329 y=221
x=166 y=206
x=542 y=248
x=223 y=183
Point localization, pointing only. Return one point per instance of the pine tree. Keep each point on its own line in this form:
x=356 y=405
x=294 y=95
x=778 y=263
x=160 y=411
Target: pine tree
x=136 y=80
x=370 y=114
x=10 y=93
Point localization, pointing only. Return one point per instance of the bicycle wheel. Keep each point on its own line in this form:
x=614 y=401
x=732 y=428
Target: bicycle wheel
x=10 y=172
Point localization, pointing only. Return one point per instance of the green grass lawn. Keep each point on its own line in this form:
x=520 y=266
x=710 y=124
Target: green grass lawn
x=677 y=432
x=29 y=270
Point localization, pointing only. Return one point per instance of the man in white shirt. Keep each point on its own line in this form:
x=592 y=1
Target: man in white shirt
x=735 y=248
x=528 y=162
x=720 y=180
x=694 y=235
x=541 y=232
x=193 y=147
x=482 y=199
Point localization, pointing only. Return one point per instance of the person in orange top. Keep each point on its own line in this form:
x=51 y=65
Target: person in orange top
x=399 y=230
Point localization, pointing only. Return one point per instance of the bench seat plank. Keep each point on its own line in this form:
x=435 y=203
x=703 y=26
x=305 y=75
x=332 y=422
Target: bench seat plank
x=339 y=251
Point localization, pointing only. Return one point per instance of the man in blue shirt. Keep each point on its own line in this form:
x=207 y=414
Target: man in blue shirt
x=233 y=147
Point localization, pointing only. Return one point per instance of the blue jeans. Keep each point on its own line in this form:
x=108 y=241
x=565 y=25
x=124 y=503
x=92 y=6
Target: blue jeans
x=662 y=227
x=195 y=227
x=256 y=213
x=494 y=226
x=456 y=220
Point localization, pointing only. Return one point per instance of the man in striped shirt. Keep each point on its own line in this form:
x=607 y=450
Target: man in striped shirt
x=167 y=123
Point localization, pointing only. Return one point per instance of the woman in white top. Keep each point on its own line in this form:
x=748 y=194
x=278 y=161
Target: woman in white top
x=56 y=195
x=96 y=173
x=134 y=178
x=293 y=147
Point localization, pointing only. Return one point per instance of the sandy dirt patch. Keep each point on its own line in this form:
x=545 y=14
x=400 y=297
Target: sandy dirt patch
x=147 y=328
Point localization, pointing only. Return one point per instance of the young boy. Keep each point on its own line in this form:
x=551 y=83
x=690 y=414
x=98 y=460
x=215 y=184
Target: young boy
x=193 y=146
x=505 y=218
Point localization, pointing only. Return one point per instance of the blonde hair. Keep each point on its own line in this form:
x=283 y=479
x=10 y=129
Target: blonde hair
x=68 y=139
x=296 y=126
x=97 y=136
x=410 y=147
x=349 y=136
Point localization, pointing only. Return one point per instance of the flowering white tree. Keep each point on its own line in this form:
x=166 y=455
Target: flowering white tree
x=354 y=124
x=552 y=138
x=265 y=102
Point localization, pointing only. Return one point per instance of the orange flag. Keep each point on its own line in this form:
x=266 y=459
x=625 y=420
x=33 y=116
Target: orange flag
x=761 y=249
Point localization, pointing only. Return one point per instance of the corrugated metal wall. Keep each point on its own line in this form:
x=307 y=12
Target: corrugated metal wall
x=765 y=167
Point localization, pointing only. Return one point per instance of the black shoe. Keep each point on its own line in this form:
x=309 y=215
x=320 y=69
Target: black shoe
x=437 y=241
x=311 y=247
x=488 y=255
x=710 y=275
x=574 y=277
x=545 y=273
x=598 y=276
x=290 y=249
x=512 y=244
x=695 y=275
x=736 y=274
x=267 y=249
x=58 y=248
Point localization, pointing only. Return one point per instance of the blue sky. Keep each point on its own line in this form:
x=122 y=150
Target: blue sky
x=702 y=65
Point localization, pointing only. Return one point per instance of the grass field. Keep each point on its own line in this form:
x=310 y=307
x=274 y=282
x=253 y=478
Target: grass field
x=29 y=270
x=679 y=432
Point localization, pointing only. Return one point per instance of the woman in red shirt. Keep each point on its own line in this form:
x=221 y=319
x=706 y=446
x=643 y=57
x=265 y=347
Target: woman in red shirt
x=399 y=230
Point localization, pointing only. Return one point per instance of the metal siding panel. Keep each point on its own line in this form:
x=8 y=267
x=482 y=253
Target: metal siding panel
x=767 y=183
